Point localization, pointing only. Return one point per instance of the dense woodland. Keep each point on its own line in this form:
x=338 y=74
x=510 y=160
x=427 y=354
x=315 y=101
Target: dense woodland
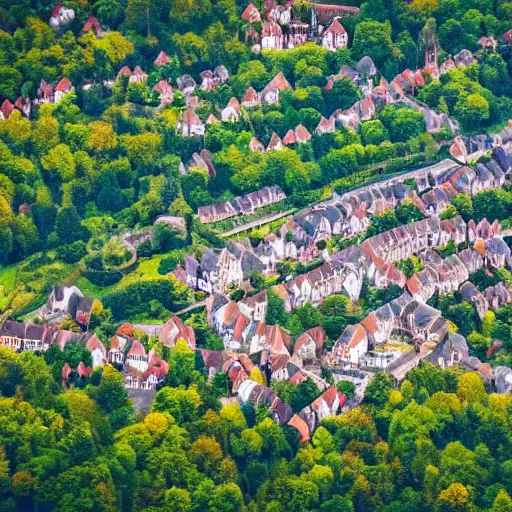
x=106 y=160
x=440 y=443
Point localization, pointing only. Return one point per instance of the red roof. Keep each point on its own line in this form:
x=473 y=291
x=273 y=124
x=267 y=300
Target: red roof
x=125 y=329
x=162 y=59
x=250 y=95
x=137 y=349
x=302 y=134
x=92 y=23
x=83 y=371
x=6 y=108
x=66 y=371
x=56 y=9
x=94 y=343
x=302 y=427
x=64 y=85
x=251 y=14
x=336 y=28
x=289 y=138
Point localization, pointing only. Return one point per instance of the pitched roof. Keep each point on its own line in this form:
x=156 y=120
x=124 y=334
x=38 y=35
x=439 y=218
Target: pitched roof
x=189 y=117
x=94 y=343
x=6 y=108
x=336 y=28
x=92 y=23
x=162 y=59
x=251 y=14
x=250 y=95
x=64 y=85
x=289 y=138
x=302 y=134
x=137 y=349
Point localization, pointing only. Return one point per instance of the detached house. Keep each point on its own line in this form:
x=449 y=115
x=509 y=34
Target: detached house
x=232 y=112
x=250 y=98
x=270 y=94
x=271 y=36
x=189 y=124
x=351 y=346
x=335 y=36
x=62 y=88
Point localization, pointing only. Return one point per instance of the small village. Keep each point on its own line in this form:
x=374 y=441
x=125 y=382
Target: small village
x=255 y=256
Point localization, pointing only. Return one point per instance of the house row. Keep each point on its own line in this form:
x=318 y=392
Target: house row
x=22 y=336
x=46 y=93
x=266 y=32
x=404 y=316
x=242 y=205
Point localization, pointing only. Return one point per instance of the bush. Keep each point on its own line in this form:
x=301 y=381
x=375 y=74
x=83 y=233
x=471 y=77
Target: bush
x=72 y=253
x=103 y=277
x=136 y=298
x=168 y=264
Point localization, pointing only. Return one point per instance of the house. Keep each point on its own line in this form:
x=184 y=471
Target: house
x=173 y=330
x=298 y=33
x=483 y=230
x=138 y=75
x=62 y=88
x=302 y=135
x=256 y=145
x=189 y=124
x=324 y=14
x=162 y=59
x=351 y=346
x=61 y=16
x=250 y=98
x=335 y=36
x=45 y=92
x=271 y=36
x=251 y=14
x=464 y=58
x=97 y=350
x=186 y=84
x=289 y=138
x=326 y=125
x=23 y=105
x=6 y=109
x=250 y=392
x=137 y=357
x=309 y=346
x=270 y=93
x=452 y=352
x=497 y=252
x=93 y=24
x=165 y=91
x=308 y=419
x=275 y=143
x=232 y=112
x=497 y=296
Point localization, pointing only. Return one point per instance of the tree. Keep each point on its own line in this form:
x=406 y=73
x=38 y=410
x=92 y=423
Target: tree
x=464 y=206
x=182 y=404
x=470 y=388
x=373 y=132
x=377 y=391
x=275 y=310
x=181 y=364
x=102 y=137
x=10 y=82
x=177 y=500
x=373 y=39
x=342 y=95
x=111 y=393
x=59 y=163
x=472 y=110
x=383 y=222
x=68 y=227
x=455 y=498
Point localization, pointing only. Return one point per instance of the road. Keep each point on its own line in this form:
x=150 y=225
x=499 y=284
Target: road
x=256 y=223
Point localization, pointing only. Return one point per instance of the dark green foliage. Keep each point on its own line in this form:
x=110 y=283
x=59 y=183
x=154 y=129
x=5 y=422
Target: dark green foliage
x=72 y=253
x=135 y=299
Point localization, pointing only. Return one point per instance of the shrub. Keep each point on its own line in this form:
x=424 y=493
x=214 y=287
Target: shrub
x=103 y=277
x=72 y=253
